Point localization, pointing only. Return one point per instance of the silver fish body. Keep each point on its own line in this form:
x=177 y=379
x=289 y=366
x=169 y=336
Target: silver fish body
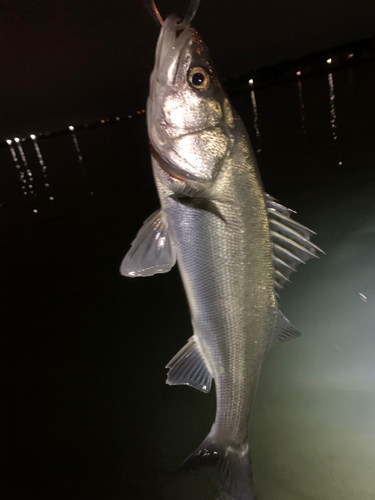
x=224 y=257
x=235 y=246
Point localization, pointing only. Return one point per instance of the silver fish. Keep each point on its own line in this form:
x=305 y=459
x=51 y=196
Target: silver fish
x=236 y=246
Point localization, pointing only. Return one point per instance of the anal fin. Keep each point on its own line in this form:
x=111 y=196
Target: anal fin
x=188 y=367
x=284 y=330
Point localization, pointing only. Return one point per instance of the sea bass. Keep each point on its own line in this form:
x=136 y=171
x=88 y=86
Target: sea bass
x=235 y=246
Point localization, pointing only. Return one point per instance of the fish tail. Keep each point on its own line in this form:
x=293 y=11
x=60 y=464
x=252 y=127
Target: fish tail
x=231 y=464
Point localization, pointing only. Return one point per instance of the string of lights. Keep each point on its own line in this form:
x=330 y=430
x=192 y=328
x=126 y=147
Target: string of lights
x=325 y=61
x=73 y=128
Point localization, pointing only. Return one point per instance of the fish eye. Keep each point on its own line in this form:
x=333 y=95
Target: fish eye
x=199 y=78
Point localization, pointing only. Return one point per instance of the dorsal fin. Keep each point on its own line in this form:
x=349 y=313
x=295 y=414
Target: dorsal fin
x=290 y=242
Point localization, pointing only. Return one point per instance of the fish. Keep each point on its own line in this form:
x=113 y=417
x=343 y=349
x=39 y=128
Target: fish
x=236 y=246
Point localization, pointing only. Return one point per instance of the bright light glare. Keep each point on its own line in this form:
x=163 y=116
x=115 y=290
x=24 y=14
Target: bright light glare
x=298 y=73
x=251 y=81
x=71 y=127
x=33 y=137
x=329 y=61
x=9 y=142
x=17 y=139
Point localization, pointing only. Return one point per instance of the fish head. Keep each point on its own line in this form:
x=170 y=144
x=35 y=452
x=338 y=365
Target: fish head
x=189 y=117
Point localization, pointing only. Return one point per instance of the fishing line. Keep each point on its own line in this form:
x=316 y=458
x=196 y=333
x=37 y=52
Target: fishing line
x=155 y=13
x=189 y=16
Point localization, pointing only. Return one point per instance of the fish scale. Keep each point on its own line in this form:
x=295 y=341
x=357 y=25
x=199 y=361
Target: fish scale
x=236 y=246
x=227 y=271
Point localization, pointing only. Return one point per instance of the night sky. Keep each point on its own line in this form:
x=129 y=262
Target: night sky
x=66 y=62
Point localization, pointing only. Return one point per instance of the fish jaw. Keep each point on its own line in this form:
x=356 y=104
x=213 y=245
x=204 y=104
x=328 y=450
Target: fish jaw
x=189 y=128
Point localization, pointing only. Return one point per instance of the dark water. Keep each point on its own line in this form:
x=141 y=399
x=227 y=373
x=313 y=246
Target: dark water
x=88 y=413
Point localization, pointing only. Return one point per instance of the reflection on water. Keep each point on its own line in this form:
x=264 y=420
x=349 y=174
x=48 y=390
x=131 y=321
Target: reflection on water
x=332 y=98
x=256 y=118
x=84 y=172
x=76 y=144
x=332 y=105
x=301 y=105
x=28 y=176
x=21 y=173
x=89 y=398
x=42 y=164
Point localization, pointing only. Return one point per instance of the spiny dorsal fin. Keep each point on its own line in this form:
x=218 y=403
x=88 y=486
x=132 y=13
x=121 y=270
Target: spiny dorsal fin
x=152 y=250
x=290 y=242
x=188 y=367
x=284 y=330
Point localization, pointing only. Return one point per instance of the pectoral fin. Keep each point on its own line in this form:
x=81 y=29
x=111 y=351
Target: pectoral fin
x=188 y=367
x=152 y=251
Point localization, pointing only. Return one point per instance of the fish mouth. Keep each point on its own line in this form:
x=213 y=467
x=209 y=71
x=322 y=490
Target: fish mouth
x=171 y=46
x=171 y=43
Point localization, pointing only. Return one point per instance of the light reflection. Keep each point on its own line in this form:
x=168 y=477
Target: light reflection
x=41 y=162
x=80 y=158
x=363 y=297
x=76 y=144
x=329 y=61
x=301 y=105
x=256 y=118
x=332 y=105
x=26 y=168
x=332 y=110
x=21 y=174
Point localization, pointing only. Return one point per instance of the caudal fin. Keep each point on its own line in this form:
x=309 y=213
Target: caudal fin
x=231 y=465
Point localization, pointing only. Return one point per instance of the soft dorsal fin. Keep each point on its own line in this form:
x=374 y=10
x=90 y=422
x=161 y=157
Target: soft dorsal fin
x=290 y=242
x=152 y=250
x=188 y=367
